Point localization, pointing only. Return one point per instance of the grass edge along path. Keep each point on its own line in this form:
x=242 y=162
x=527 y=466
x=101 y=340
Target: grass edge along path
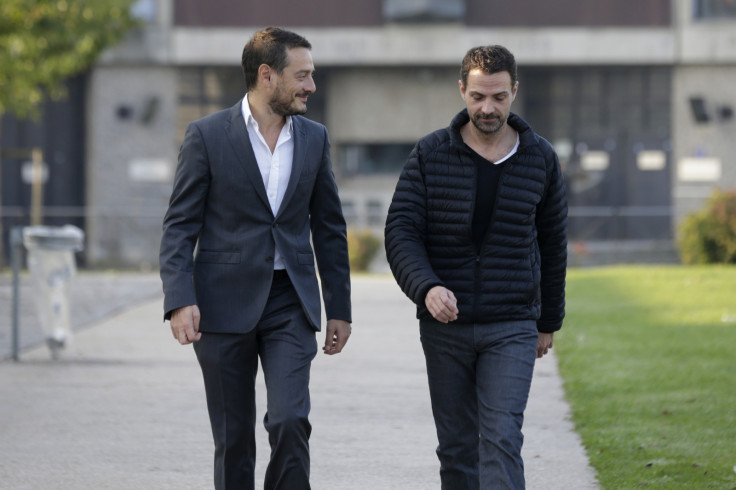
x=648 y=359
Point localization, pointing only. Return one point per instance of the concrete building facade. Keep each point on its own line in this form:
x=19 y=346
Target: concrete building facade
x=637 y=99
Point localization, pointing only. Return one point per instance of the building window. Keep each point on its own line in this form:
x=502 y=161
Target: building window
x=424 y=10
x=204 y=90
x=611 y=128
x=376 y=213
x=145 y=10
x=356 y=159
x=715 y=9
x=349 y=212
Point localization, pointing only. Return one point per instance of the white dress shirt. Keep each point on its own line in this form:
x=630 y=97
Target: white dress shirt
x=275 y=167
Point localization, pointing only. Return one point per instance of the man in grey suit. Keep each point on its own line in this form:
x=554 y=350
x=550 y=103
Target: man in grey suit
x=252 y=182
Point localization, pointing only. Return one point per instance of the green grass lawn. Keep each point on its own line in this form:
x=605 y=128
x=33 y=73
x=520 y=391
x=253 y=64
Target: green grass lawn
x=648 y=358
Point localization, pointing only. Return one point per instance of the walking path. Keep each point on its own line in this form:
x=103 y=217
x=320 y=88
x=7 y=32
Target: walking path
x=124 y=408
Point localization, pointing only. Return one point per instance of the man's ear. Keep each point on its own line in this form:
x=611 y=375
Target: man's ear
x=462 y=88
x=264 y=74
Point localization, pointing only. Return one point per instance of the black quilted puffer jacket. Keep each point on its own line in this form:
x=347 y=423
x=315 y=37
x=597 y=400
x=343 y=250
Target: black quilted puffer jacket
x=519 y=271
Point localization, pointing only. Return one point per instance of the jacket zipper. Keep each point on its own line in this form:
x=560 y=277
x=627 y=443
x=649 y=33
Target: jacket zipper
x=477 y=295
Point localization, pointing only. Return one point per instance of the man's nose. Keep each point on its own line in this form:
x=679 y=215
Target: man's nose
x=310 y=85
x=488 y=107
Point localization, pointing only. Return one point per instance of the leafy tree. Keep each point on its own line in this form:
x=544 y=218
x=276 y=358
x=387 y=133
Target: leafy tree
x=44 y=42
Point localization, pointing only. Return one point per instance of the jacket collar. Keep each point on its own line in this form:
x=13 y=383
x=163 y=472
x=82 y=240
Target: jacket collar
x=237 y=134
x=526 y=135
x=301 y=149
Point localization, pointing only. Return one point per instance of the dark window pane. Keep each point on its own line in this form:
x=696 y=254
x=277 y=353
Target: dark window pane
x=354 y=159
x=715 y=9
x=423 y=10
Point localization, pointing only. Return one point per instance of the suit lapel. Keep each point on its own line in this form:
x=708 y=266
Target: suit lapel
x=237 y=133
x=297 y=163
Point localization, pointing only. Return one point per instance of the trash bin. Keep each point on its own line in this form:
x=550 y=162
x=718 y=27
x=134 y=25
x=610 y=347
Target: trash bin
x=52 y=265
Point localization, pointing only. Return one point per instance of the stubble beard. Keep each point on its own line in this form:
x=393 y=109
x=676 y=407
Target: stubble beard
x=488 y=126
x=283 y=104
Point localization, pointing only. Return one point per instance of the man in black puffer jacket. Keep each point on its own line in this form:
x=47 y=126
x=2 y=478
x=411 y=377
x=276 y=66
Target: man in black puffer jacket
x=476 y=236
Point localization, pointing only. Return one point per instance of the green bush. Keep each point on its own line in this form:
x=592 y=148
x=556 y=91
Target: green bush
x=709 y=236
x=362 y=248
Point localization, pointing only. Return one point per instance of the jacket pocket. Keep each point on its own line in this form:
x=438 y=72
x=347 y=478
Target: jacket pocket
x=206 y=257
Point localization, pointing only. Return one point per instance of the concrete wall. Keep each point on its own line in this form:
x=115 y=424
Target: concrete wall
x=390 y=105
x=703 y=41
x=389 y=83
x=440 y=45
x=704 y=152
x=130 y=162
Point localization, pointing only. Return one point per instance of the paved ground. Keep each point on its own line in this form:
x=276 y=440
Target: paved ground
x=124 y=406
x=93 y=297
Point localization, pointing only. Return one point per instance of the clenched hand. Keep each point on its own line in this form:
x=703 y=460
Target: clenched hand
x=442 y=304
x=185 y=324
x=336 y=336
x=544 y=343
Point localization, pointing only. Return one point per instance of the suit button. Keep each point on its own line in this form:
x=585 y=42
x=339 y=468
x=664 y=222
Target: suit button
x=275 y=225
x=269 y=259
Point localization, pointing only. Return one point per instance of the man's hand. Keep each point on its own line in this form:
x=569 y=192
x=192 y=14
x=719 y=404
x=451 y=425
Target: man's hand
x=336 y=336
x=185 y=324
x=544 y=343
x=442 y=304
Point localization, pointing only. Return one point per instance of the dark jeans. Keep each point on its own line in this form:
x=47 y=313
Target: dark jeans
x=479 y=379
x=286 y=344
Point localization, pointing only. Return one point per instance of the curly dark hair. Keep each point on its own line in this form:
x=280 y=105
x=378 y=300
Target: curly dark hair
x=268 y=46
x=489 y=59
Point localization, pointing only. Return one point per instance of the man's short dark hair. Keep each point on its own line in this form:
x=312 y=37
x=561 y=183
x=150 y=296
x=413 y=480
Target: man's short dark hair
x=490 y=60
x=268 y=46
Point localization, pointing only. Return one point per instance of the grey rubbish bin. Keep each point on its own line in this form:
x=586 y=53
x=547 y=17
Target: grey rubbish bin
x=52 y=265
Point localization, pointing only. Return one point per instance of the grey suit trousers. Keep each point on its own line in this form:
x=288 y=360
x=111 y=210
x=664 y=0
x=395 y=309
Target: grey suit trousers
x=286 y=344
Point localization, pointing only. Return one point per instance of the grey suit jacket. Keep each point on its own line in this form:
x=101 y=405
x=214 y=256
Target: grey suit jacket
x=219 y=205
